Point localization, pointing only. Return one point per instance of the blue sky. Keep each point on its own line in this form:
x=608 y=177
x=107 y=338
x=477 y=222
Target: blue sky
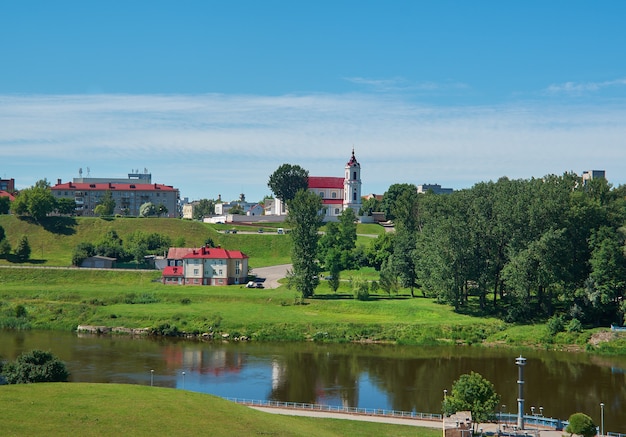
x=212 y=96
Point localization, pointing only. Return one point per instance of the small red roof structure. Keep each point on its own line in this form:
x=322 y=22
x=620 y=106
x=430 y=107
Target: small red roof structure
x=7 y=194
x=173 y=271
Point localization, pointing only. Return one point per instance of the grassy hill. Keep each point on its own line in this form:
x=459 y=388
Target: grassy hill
x=116 y=410
x=52 y=243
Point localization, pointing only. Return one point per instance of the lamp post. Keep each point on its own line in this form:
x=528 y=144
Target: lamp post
x=602 y=417
x=151 y=378
x=443 y=413
x=541 y=411
x=183 y=380
x=520 y=362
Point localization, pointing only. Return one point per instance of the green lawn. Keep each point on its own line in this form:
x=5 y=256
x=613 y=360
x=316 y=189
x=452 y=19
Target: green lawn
x=121 y=410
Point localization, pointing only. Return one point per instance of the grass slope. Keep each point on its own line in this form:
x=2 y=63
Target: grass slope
x=117 y=409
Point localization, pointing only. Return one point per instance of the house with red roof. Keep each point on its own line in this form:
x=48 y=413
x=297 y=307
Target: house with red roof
x=205 y=266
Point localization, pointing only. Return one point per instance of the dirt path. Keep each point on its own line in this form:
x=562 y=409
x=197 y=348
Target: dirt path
x=271 y=275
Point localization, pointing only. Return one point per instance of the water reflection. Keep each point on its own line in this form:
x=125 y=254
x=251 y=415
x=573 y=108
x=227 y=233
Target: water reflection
x=364 y=376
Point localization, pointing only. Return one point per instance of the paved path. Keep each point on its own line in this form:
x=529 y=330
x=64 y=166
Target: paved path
x=490 y=428
x=272 y=274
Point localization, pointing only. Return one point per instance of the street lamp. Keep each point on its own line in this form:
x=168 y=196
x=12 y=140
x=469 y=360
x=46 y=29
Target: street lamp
x=602 y=417
x=151 y=378
x=183 y=380
x=541 y=411
x=443 y=413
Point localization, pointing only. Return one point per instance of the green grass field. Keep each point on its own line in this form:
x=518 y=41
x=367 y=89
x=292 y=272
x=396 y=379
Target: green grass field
x=101 y=410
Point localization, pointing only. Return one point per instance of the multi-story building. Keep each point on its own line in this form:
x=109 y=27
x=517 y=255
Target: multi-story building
x=128 y=194
x=589 y=175
x=7 y=185
x=434 y=188
x=205 y=266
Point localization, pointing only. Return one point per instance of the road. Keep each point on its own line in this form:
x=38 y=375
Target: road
x=272 y=274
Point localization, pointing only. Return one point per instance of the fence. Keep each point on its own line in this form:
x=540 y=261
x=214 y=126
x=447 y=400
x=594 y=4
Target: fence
x=337 y=409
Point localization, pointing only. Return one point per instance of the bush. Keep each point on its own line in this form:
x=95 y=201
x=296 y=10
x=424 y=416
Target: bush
x=35 y=366
x=581 y=424
x=555 y=325
x=574 y=325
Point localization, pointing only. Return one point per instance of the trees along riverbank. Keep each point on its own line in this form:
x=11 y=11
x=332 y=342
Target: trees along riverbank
x=63 y=299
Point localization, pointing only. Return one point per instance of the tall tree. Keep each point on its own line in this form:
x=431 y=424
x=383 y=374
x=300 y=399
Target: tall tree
x=106 y=206
x=5 y=204
x=391 y=198
x=305 y=219
x=205 y=207
x=287 y=180
x=22 y=250
x=36 y=201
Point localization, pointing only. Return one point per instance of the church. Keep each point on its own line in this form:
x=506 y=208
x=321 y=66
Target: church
x=337 y=193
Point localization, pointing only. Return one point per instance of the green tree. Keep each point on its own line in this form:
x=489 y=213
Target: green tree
x=305 y=220
x=332 y=263
x=106 y=206
x=392 y=197
x=147 y=209
x=204 y=208
x=36 y=201
x=472 y=392
x=22 y=250
x=81 y=252
x=581 y=424
x=5 y=248
x=369 y=206
x=162 y=210
x=65 y=206
x=287 y=180
x=360 y=289
x=5 y=204
x=35 y=366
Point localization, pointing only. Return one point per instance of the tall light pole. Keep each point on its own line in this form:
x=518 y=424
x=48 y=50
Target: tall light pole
x=602 y=417
x=443 y=413
x=151 y=378
x=520 y=362
x=183 y=380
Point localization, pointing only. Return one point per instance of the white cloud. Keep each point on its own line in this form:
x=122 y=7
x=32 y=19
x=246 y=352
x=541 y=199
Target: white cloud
x=215 y=144
x=579 y=88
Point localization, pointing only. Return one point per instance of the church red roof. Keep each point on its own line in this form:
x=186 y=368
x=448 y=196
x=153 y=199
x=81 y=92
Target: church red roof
x=317 y=182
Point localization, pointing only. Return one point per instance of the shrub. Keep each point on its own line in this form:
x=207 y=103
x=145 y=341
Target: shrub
x=574 y=325
x=581 y=424
x=555 y=325
x=35 y=366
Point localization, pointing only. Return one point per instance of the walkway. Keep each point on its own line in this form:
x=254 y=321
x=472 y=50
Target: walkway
x=488 y=428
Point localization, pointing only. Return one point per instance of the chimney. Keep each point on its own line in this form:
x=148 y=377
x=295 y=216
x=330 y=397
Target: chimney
x=58 y=181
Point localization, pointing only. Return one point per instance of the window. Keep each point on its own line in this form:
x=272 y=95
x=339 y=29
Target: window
x=333 y=194
x=336 y=211
x=322 y=194
x=354 y=196
x=196 y=272
x=220 y=272
x=354 y=176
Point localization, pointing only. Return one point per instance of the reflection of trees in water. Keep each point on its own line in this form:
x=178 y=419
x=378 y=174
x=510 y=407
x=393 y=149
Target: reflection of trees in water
x=316 y=377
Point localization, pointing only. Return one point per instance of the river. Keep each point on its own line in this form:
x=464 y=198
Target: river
x=365 y=376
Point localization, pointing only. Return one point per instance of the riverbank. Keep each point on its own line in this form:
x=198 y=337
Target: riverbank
x=60 y=299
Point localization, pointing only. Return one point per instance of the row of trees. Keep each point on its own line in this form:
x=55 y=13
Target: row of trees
x=524 y=249
x=134 y=247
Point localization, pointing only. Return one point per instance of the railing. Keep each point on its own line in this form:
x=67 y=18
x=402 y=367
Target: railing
x=337 y=409
x=615 y=434
x=547 y=422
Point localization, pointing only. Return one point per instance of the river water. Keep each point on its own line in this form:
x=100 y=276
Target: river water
x=365 y=376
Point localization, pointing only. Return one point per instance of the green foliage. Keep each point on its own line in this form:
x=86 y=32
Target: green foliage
x=287 y=180
x=106 y=206
x=360 y=289
x=472 y=392
x=5 y=204
x=391 y=199
x=5 y=248
x=82 y=252
x=305 y=220
x=204 y=208
x=147 y=209
x=35 y=366
x=65 y=206
x=581 y=424
x=574 y=325
x=555 y=324
x=22 y=250
x=36 y=202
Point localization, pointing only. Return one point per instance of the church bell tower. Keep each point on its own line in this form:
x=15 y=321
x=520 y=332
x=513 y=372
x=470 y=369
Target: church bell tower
x=352 y=185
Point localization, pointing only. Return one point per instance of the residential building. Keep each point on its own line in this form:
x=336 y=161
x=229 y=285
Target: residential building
x=7 y=185
x=248 y=208
x=128 y=195
x=205 y=266
x=434 y=188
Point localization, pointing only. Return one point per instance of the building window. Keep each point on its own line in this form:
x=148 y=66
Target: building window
x=333 y=194
x=220 y=272
x=322 y=194
x=354 y=176
x=196 y=272
x=336 y=211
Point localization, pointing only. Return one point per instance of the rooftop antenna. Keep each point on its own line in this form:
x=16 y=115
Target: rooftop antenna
x=80 y=172
x=88 y=171
x=145 y=170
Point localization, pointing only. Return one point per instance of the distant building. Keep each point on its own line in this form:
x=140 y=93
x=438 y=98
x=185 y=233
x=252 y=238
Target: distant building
x=248 y=208
x=435 y=188
x=589 y=175
x=128 y=194
x=7 y=185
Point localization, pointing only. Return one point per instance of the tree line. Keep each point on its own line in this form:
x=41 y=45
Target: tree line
x=522 y=250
